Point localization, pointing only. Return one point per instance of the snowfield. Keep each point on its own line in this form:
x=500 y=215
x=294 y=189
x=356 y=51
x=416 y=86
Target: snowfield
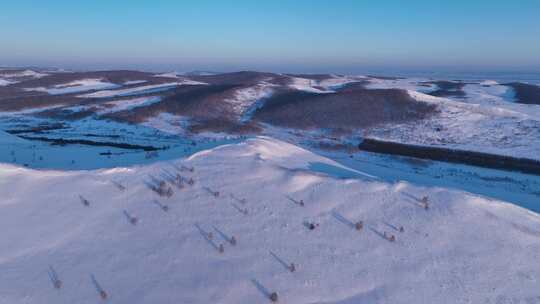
x=117 y=105
x=462 y=249
x=322 y=86
x=246 y=100
x=76 y=86
x=503 y=130
x=413 y=84
x=147 y=89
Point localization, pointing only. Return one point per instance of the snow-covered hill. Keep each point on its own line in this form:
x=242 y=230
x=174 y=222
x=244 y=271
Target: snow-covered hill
x=462 y=249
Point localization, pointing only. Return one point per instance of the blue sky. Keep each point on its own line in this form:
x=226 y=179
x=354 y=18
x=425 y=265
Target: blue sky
x=277 y=35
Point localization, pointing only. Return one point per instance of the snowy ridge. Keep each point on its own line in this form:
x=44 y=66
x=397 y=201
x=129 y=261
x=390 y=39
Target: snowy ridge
x=320 y=86
x=140 y=90
x=76 y=86
x=456 y=251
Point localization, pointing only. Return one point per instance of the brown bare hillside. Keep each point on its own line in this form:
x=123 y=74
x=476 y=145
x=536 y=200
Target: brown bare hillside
x=342 y=110
x=199 y=102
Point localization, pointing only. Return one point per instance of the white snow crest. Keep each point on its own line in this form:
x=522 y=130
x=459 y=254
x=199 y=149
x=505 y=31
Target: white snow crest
x=76 y=86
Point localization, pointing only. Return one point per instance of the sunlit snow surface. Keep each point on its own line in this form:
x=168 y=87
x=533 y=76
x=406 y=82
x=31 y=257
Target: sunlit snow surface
x=462 y=249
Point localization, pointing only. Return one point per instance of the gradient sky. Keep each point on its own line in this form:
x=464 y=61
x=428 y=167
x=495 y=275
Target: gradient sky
x=276 y=35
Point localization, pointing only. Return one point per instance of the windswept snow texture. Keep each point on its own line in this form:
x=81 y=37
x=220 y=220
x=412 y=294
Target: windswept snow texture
x=76 y=87
x=463 y=249
x=148 y=89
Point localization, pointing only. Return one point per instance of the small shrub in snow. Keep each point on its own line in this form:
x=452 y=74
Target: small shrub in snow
x=133 y=220
x=214 y=193
x=424 y=202
x=311 y=225
x=179 y=181
x=57 y=283
x=162 y=189
x=84 y=201
x=244 y=211
x=390 y=237
x=190 y=169
x=273 y=297
x=242 y=201
x=292 y=267
x=103 y=295
x=299 y=203
x=119 y=186
x=165 y=208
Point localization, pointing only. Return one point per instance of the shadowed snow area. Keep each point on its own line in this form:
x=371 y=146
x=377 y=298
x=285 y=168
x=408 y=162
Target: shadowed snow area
x=115 y=238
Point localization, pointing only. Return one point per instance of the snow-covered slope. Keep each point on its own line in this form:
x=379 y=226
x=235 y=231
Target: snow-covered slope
x=327 y=85
x=246 y=100
x=146 y=89
x=463 y=249
x=475 y=127
x=76 y=86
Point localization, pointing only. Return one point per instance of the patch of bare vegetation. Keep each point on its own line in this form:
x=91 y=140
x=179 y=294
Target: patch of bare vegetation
x=225 y=126
x=345 y=109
